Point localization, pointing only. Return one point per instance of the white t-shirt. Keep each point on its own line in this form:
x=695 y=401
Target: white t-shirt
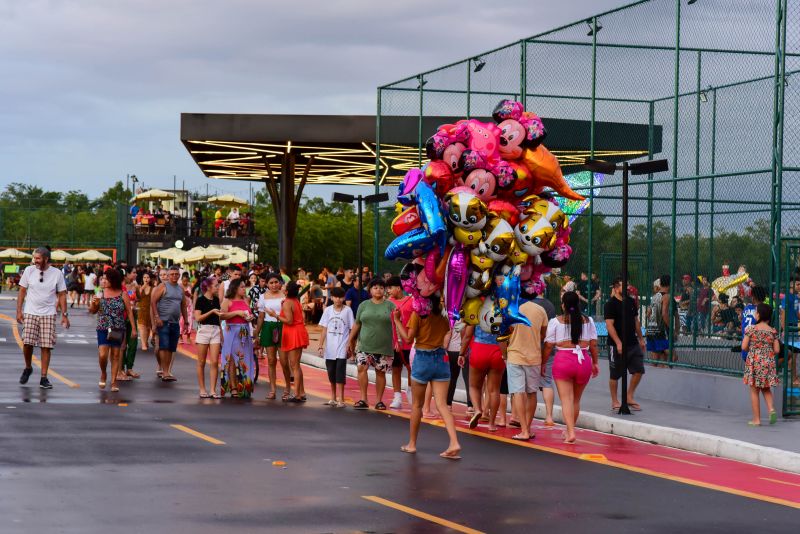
x=42 y=296
x=269 y=303
x=88 y=284
x=339 y=325
x=558 y=331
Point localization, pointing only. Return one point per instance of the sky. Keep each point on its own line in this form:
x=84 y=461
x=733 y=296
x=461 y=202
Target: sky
x=92 y=90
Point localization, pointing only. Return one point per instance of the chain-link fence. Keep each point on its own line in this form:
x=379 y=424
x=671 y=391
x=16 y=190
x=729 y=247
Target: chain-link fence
x=707 y=85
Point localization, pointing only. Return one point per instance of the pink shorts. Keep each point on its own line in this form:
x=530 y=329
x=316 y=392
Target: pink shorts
x=566 y=366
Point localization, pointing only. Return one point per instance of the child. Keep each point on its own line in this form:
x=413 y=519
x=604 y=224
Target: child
x=761 y=342
x=337 y=321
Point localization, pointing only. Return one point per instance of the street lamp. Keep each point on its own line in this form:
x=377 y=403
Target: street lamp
x=369 y=199
x=645 y=167
x=134 y=181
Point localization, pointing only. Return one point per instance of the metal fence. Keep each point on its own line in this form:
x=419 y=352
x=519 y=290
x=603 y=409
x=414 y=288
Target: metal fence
x=712 y=81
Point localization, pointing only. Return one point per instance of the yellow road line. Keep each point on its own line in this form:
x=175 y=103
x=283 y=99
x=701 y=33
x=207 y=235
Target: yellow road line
x=779 y=481
x=676 y=459
x=610 y=463
x=50 y=372
x=422 y=515
x=197 y=434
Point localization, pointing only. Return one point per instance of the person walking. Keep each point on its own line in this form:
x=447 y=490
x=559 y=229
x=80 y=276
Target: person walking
x=337 y=321
x=268 y=334
x=524 y=365
x=575 y=338
x=89 y=283
x=658 y=321
x=168 y=305
x=209 y=336
x=42 y=293
x=402 y=349
x=430 y=337
x=373 y=332
x=238 y=366
x=634 y=357
x=294 y=338
x=187 y=321
x=546 y=386
x=453 y=350
x=113 y=309
x=143 y=292
x=761 y=344
x=131 y=288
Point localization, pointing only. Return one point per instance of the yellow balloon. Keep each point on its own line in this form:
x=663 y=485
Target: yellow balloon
x=470 y=310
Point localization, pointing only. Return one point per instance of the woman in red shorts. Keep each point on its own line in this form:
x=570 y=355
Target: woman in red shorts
x=575 y=338
x=294 y=338
x=485 y=362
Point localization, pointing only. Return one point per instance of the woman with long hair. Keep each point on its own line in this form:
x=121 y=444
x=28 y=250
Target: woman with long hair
x=143 y=293
x=268 y=334
x=294 y=338
x=111 y=305
x=237 y=347
x=575 y=338
x=209 y=336
x=430 y=335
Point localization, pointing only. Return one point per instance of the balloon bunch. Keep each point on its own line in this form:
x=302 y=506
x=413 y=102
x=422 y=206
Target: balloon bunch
x=480 y=221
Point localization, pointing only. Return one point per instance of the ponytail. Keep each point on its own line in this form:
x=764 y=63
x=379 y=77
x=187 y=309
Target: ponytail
x=570 y=302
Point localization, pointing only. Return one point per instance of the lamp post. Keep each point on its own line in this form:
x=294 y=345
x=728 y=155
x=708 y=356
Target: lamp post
x=368 y=199
x=645 y=167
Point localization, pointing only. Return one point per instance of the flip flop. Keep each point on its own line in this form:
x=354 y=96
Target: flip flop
x=515 y=424
x=549 y=424
x=216 y=396
x=519 y=437
x=635 y=407
x=407 y=450
x=616 y=407
x=473 y=422
x=101 y=385
x=450 y=456
x=205 y=396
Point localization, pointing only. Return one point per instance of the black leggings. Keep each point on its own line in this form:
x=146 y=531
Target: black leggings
x=454 y=371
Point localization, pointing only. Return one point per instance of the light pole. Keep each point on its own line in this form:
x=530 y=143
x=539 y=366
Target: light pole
x=368 y=199
x=645 y=167
x=134 y=181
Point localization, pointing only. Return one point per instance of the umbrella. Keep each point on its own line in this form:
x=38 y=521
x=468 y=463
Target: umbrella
x=155 y=194
x=167 y=254
x=200 y=254
x=91 y=255
x=227 y=200
x=61 y=255
x=14 y=254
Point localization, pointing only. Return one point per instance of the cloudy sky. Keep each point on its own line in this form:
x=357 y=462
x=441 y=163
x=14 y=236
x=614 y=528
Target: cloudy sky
x=93 y=89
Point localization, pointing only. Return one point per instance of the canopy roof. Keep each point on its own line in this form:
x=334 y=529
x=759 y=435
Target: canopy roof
x=233 y=146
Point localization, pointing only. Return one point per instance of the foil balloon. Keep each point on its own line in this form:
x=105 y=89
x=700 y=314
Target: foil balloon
x=467 y=214
x=410 y=245
x=534 y=234
x=507 y=301
x=498 y=238
x=470 y=311
x=546 y=172
x=504 y=210
x=439 y=176
x=408 y=280
x=456 y=282
x=482 y=137
x=518 y=129
x=489 y=318
x=405 y=221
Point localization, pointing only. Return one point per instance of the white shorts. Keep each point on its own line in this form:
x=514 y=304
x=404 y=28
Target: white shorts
x=524 y=378
x=208 y=334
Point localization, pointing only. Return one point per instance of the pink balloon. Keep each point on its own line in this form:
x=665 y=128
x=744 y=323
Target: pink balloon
x=456 y=281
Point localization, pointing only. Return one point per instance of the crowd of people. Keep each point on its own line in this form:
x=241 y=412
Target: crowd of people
x=238 y=317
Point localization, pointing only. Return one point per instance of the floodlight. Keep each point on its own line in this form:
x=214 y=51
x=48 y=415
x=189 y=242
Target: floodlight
x=593 y=29
x=690 y=2
x=422 y=83
x=703 y=97
x=343 y=197
x=376 y=198
x=599 y=165
x=479 y=64
x=649 y=167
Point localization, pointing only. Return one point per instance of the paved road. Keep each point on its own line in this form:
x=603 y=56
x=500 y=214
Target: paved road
x=81 y=460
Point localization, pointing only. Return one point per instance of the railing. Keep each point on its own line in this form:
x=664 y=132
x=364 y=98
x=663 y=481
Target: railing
x=180 y=227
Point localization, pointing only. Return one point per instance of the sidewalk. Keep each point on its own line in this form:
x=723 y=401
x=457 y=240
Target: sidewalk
x=708 y=432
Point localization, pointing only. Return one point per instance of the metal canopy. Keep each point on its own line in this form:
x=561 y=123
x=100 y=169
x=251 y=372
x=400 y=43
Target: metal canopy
x=238 y=147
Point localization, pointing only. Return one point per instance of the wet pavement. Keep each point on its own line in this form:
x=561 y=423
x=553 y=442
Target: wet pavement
x=75 y=459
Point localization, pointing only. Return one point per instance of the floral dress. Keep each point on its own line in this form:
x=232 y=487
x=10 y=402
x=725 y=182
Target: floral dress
x=759 y=368
x=237 y=346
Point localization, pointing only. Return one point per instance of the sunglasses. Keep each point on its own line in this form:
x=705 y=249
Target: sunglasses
x=41 y=278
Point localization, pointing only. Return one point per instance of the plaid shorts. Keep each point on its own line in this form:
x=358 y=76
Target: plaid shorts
x=380 y=362
x=39 y=330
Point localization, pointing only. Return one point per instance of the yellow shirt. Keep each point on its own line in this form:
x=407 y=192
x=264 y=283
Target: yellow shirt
x=525 y=343
x=218 y=215
x=430 y=330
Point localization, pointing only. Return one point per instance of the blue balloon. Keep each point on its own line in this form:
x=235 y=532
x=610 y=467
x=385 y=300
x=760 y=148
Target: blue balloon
x=507 y=300
x=410 y=245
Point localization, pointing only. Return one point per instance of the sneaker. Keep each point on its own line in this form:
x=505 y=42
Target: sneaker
x=397 y=402
x=44 y=383
x=26 y=374
x=331 y=403
x=340 y=404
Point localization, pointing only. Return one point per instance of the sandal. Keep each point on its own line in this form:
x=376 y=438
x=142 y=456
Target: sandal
x=101 y=385
x=216 y=396
x=773 y=417
x=205 y=396
x=270 y=396
x=515 y=424
x=361 y=405
x=473 y=422
x=114 y=389
x=285 y=397
x=520 y=437
x=380 y=406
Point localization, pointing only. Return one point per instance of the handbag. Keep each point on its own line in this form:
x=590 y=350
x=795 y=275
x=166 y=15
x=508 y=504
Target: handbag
x=115 y=335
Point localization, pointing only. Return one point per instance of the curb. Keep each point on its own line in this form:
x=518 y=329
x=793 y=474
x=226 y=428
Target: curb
x=677 y=438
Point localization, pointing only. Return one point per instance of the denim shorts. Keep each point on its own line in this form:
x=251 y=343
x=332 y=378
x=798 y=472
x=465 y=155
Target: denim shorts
x=168 y=336
x=430 y=366
x=102 y=339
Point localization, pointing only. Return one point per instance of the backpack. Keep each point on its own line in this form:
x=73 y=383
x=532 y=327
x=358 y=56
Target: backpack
x=655 y=322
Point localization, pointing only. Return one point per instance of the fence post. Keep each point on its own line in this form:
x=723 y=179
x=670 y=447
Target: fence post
x=650 y=148
x=591 y=151
x=692 y=312
x=523 y=72
x=376 y=227
x=673 y=247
